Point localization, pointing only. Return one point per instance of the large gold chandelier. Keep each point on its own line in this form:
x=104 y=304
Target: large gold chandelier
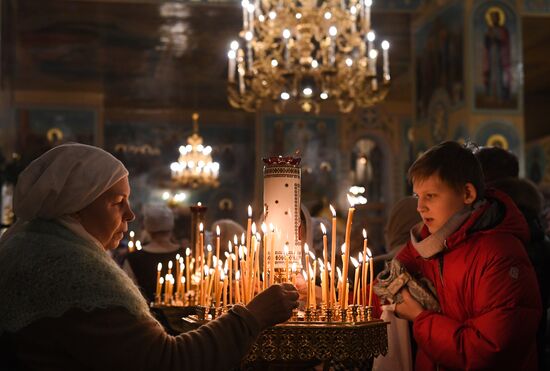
x=307 y=52
x=195 y=166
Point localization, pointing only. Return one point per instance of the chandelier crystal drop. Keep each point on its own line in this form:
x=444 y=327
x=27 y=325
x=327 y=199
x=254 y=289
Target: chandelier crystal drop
x=307 y=52
x=195 y=166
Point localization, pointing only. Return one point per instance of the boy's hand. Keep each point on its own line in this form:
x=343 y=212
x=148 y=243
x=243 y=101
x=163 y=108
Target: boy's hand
x=409 y=309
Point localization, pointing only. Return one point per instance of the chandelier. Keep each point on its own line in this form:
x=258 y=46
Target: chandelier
x=307 y=52
x=195 y=166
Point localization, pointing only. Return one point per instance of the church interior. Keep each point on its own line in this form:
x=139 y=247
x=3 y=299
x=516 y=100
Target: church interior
x=146 y=80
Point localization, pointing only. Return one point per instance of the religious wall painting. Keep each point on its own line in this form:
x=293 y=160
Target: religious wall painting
x=438 y=54
x=399 y=5
x=42 y=128
x=315 y=139
x=536 y=6
x=498 y=134
x=496 y=56
x=438 y=115
x=147 y=150
x=537 y=164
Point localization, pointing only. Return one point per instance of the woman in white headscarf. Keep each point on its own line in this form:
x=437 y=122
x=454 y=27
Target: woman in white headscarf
x=65 y=305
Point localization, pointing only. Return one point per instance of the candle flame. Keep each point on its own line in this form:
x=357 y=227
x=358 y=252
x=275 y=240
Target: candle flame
x=264 y=228
x=209 y=248
x=182 y=266
x=369 y=253
x=258 y=236
x=238 y=275
x=293 y=267
x=339 y=273
x=323 y=229
x=227 y=254
x=312 y=255
x=243 y=239
x=132 y=234
x=159 y=267
x=310 y=271
x=161 y=280
x=235 y=239
x=354 y=261
x=360 y=257
x=177 y=257
x=199 y=203
x=218 y=230
x=229 y=246
x=201 y=227
x=249 y=211
x=138 y=245
x=222 y=276
x=364 y=233
x=304 y=274
x=329 y=268
x=181 y=260
x=271 y=227
x=187 y=251
x=333 y=211
x=321 y=265
x=170 y=264
x=233 y=257
x=182 y=279
x=214 y=260
x=351 y=201
x=343 y=248
x=306 y=248
x=254 y=228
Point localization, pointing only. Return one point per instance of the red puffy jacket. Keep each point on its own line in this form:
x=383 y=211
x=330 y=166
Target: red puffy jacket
x=490 y=304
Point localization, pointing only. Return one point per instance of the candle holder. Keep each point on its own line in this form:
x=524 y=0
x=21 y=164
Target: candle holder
x=354 y=312
x=328 y=314
x=307 y=315
x=294 y=316
x=343 y=315
x=367 y=313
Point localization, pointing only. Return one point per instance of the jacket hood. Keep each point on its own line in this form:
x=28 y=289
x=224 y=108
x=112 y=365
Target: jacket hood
x=499 y=214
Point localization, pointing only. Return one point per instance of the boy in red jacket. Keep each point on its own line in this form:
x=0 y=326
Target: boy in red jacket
x=470 y=245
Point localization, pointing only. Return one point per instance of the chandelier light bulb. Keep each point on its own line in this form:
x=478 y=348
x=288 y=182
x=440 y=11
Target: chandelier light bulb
x=307 y=92
x=332 y=31
x=244 y=4
x=353 y=10
x=248 y=36
x=231 y=54
x=285 y=95
x=368 y=3
x=371 y=36
x=286 y=33
x=261 y=18
x=274 y=63
x=349 y=62
x=272 y=15
x=324 y=95
x=298 y=15
x=314 y=63
x=328 y=15
x=182 y=150
x=385 y=45
x=373 y=54
x=251 y=8
x=234 y=45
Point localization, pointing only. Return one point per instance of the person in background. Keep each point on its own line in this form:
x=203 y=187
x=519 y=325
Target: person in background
x=500 y=168
x=141 y=266
x=228 y=229
x=79 y=309
x=471 y=247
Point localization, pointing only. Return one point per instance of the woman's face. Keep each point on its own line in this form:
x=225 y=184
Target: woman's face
x=107 y=217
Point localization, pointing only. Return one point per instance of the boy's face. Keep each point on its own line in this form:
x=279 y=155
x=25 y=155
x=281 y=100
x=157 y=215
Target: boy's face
x=437 y=201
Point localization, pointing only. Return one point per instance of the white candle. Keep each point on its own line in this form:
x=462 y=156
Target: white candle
x=385 y=48
x=245 y=4
x=231 y=55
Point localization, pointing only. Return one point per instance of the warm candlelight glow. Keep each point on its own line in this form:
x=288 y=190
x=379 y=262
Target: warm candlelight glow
x=201 y=227
x=254 y=228
x=333 y=211
x=218 y=230
x=187 y=251
x=209 y=248
x=170 y=264
x=323 y=229
x=249 y=211
x=159 y=267
x=351 y=201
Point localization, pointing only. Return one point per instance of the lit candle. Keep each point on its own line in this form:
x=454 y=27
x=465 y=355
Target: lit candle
x=332 y=31
x=188 y=268
x=161 y=282
x=245 y=4
x=231 y=56
x=325 y=263
x=272 y=255
x=157 y=293
x=386 y=68
x=294 y=268
x=232 y=262
x=218 y=241
x=237 y=289
x=333 y=256
x=209 y=258
x=248 y=36
x=371 y=275
x=340 y=289
x=248 y=226
x=348 y=246
x=373 y=54
x=313 y=275
x=370 y=41
x=241 y=70
x=264 y=245
x=356 y=279
x=166 y=288
x=285 y=252
x=170 y=264
x=251 y=9
x=306 y=251
x=365 y=268
x=286 y=37
x=368 y=4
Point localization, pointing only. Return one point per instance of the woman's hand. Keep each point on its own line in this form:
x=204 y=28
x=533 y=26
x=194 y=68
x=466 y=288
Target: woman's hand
x=409 y=309
x=274 y=305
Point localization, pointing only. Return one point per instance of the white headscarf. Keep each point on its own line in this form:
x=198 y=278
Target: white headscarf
x=158 y=218
x=62 y=181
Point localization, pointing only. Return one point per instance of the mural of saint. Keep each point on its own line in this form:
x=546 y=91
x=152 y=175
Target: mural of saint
x=496 y=56
x=496 y=59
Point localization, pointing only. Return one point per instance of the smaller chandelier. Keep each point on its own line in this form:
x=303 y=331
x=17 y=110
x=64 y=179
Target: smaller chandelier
x=195 y=166
x=307 y=52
